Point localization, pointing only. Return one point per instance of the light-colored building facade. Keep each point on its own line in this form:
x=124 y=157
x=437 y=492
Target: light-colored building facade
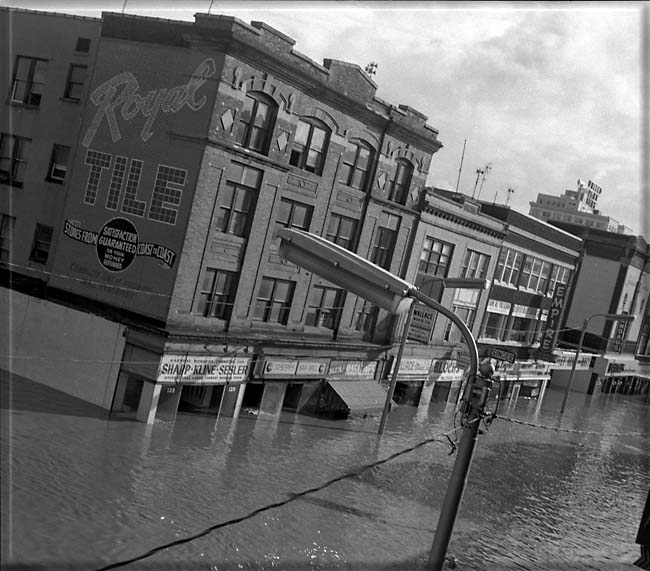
x=576 y=207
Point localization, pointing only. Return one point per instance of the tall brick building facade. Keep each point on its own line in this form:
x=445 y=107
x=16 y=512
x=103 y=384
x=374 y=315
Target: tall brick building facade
x=196 y=141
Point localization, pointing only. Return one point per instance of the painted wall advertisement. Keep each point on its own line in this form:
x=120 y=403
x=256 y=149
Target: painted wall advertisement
x=131 y=185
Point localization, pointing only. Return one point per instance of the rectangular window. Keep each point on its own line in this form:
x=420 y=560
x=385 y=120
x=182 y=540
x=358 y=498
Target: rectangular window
x=366 y=317
x=76 y=79
x=435 y=257
x=293 y=214
x=217 y=294
x=494 y=326
x=475 y=265
x=310 y=145
x=341 y=230
x=452 y=332
x=28 y=81
x=83 y=45
x=237 y=200
x=58 y=163
x=508 y=266
x=274 y=301
x=6 y=237
x=13 y=151
x=559 y=275
x=324 y=307
x=355 y=165
x=385 y=239
x=41 y=244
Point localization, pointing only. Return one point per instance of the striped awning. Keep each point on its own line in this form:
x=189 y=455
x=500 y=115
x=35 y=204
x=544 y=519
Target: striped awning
x=361 y=397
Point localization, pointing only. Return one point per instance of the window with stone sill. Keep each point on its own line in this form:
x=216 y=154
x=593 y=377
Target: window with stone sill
x=257 y=121
x=310 y=145
x=294 y=214
x=324 y=307
x=356 y=163
x=401 y=181
x=7 y=224
x=273 y=303
x=13 y=163
x=28 y=81
x=385 y=238
x=58 y=164
x=74 y=86
x=41 y=244
x=341 y=230
x=237 y=200
x=217 y=294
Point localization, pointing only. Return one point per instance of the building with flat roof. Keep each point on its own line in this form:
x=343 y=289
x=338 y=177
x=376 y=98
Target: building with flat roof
x=576 y=207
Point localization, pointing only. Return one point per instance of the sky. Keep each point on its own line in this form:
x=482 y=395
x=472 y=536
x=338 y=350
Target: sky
x=541 y=93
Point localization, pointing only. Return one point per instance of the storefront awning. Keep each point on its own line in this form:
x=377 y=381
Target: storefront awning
x=362 y=397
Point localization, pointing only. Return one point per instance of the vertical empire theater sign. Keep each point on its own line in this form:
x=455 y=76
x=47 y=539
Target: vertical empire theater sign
x=132 y=183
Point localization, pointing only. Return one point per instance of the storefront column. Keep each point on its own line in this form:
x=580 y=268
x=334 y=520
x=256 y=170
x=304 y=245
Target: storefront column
x=272 y=398
x=120 y=391
x=542 y=391
x=427 y=392
x=148 y=402
x=240 y=399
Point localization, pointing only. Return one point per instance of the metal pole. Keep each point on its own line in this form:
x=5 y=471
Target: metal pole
x=478 y=391
x=573 y=365
x=476 y=402
x=398 y=360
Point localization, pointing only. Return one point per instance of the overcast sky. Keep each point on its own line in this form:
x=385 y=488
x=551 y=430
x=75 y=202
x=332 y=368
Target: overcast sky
x=543 y=93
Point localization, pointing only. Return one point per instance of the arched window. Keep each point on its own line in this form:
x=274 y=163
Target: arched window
x=310 y=145
x=257 y=122
x=356 y=165
x=401 y=181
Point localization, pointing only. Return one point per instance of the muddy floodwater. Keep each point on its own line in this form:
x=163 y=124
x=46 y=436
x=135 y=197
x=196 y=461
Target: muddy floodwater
x=83 y=491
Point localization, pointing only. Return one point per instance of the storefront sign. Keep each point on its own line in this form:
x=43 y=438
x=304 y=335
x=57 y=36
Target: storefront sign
x=352 y=369
x=547 y=343
x=413 y=366
x=311 y=368
x=525 y=311
x=279 y=367
x=497 y=306
x=198 y=369
x=445 y=370
x=501 y=355
x=422 y=322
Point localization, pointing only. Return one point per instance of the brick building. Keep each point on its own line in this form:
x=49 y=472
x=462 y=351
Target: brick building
x=196 y=140
x=45 y=74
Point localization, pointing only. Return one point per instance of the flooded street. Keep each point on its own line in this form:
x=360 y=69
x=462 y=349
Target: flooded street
x=80 y=491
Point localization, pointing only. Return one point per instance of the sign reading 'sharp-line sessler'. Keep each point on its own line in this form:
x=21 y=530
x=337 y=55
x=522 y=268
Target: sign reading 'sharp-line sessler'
x=130 y=103
x=117 y=244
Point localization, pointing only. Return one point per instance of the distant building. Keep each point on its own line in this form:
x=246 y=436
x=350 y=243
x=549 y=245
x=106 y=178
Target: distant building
x=576 y=207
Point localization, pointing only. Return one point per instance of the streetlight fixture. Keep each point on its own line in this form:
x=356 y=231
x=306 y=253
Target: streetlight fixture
x=607 y=317
x=367 y=280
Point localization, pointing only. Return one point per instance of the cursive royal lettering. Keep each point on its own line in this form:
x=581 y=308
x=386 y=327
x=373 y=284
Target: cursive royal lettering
x=119 y=96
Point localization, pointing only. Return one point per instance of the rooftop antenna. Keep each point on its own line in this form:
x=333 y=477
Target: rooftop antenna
x=486 y=170
x=461 y=165
x=371 y=68
x=511 y=191
x=210 y=8
x=124 y=6
x=479 y=172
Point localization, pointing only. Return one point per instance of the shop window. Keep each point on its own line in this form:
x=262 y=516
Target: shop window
x=58 y=163
x=28 y=81
x=293 y=214
x=13 y=163
x=520 y=330
x=385 y=238
x=494 y=325
x=6 y=236
x=274 y=301
x=534 y=274
x=74 y=86
x=310 y=145
x=341 y=230
x=83 y=45
x=217 y=294
x=237 y=200
x=356 y=164
x=41 y=244
x=401 y=181
x=324 y=307
x=257 y=122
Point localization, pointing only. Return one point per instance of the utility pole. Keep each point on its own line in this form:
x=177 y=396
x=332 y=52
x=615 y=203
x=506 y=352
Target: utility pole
x=479 y=172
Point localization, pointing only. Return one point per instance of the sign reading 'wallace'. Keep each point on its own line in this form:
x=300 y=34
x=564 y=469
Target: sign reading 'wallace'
x=119 y=97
